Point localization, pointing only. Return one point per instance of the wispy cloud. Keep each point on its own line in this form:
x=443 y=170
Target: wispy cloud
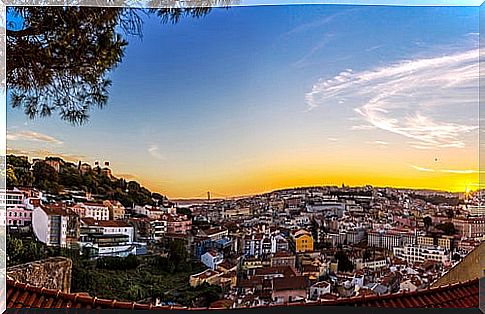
x=422 y=169
x=382 y=143
x=154 y=151
x=374 y=48
x=467 y=171
x=333 y=139
x=322 y=44
x=32 y=136
x=455 y=171
x=302 y=28
x=407 y=97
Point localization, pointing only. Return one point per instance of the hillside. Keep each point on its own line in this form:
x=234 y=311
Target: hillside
x=76 y=177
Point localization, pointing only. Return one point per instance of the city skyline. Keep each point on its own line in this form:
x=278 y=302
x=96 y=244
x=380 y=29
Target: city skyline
x=282 y=97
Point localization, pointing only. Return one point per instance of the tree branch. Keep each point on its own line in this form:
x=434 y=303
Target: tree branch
x=30 y=31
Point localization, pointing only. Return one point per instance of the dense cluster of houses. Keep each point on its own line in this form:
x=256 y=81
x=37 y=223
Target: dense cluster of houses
x=285 y=246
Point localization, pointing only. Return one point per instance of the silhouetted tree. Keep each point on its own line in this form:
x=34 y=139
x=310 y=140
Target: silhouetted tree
x=58 y=58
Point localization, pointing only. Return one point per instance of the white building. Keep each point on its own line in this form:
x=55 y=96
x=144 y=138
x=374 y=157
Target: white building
x=371 y=264
x=152 y=212
x=211 y=259
x=107 y=237
x=418 y=253
x=98 y=211
x=50 y=225
x=475 y=210
x=107 y=227
x=390 y=239
x=159 y=228
x=263 y=244
x=319 y=289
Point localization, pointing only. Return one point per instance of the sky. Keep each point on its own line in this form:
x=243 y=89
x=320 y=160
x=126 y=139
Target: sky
x=251 y=99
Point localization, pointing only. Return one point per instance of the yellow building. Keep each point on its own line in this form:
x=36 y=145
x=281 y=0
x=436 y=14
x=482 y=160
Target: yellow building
x=210 y=276
x=303 y=241
x=425 y=241
x=252 y=263
x=445 y=242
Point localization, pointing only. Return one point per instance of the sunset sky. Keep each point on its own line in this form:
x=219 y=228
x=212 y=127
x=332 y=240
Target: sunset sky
x=251 y=99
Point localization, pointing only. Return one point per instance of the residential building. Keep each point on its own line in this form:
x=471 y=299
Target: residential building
x=418 y=253
x=282 y=258
x=107 y=227
x=289 y=289
x=215 y=234
x=470 y=227
x=50 y=225
x=319 y=289
x=158 y=228
x=18 y=215
x=177 y=224
x=116 y=210
x=236 y=212
x=211 y=259
x=98 y=211
x=212 y=277
x=303 y=241
x=373 y=264
x=389 y=239
x=107 y=238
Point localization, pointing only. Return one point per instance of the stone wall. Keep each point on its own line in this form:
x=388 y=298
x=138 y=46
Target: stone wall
x=471 y=267
x=51 y=273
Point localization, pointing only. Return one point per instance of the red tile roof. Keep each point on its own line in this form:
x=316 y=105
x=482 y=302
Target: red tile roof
x=290 y=283
x=459 y=295
x=52 y=210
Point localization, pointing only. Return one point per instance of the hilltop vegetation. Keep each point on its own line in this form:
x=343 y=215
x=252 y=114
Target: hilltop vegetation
x=41 y=175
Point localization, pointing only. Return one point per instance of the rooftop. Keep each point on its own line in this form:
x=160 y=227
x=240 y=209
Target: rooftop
x=105 y=223
x=459 y=295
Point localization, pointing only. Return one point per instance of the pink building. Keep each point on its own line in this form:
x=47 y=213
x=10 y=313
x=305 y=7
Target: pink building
x=470 y=227
x=16 y=212
x=19 y=216
x=177 y=224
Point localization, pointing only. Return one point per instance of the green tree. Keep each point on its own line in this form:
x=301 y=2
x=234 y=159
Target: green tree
x=11 y=178
x=45 y=177
x=448 y=228
x=15 y=250
x=70 y=177
x=59 y=58
x=21 y=167
x=427 y=222
x=344 y=263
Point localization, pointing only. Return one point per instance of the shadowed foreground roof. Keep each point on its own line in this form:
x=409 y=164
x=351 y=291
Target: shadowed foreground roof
x=459 y=295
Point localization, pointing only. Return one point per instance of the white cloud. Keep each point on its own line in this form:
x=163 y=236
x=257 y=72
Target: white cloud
x=379 y=142
x=422 y=168
x=32 y=136
x=374 y=48
x=466 y=171
x=455 y=171
x=407 y=98
x=319 y=46
x=302 y=28
x=154 y=151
